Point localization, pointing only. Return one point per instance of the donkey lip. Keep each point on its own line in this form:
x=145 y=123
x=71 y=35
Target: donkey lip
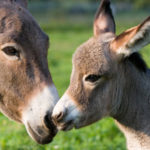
x=39 y=139
x=77 y=127
x=66 y=126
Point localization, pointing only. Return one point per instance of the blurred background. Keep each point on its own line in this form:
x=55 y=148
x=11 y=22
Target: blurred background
x=68 y=24
x=77 y=12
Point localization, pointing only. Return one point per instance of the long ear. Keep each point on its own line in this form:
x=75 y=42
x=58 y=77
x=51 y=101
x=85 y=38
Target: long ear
x=104 y=20
x=132 y=40
x=23 y=3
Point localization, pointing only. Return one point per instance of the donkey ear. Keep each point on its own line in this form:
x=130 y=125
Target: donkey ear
x=23 y=3
x=104 y=20
x=132 y=40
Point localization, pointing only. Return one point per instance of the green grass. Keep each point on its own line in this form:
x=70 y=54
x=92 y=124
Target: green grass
x=103 y=135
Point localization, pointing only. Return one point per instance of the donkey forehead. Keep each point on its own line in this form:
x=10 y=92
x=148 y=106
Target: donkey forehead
x=17 y=25
x=92 y=56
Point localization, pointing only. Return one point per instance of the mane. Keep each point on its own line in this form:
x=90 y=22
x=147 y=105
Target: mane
x=137 y=60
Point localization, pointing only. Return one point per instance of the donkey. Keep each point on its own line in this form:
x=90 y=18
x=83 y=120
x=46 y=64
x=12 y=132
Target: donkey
x=27 y=92
x=109 y=78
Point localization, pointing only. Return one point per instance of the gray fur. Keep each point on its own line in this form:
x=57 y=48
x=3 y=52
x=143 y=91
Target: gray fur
x=123 y=90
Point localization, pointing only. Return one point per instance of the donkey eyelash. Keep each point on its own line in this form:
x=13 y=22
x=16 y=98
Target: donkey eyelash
x=11 y=51
x=92 y=78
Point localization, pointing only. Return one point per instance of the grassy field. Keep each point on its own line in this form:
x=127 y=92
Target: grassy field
x=103 y=135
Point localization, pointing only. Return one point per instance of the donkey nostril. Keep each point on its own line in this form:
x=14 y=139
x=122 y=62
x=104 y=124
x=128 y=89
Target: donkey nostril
x=48 y=122
x=59 y=116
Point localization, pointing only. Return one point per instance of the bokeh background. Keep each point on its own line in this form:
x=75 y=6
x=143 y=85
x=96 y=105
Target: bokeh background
x=68 y=24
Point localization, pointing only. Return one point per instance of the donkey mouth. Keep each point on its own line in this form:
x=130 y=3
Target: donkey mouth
x=40 y=135
x=65 y=126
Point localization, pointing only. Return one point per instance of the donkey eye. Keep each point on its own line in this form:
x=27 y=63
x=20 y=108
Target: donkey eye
x=92 y=78
x=11 y=51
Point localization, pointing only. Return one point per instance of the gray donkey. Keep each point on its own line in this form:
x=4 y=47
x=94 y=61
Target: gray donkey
x=109 y=78
x=27 y=92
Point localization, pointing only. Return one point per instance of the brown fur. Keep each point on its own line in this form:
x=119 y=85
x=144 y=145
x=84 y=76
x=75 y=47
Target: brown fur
x=17 y=26
x=24 y=77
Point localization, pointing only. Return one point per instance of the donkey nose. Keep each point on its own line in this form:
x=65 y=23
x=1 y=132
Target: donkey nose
x=58 y=117
x=49 y=123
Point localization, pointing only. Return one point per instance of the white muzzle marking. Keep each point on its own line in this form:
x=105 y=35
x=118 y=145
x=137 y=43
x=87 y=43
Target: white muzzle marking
x=39 y=106
x=68 y=107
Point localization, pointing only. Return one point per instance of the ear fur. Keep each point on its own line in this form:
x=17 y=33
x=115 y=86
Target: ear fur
x=104 y=20
x=132 y=40
x=23 y=3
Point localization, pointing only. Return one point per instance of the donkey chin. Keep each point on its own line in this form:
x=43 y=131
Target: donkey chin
x=37 y=116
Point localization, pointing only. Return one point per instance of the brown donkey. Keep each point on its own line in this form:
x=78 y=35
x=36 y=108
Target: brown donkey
x=27 y=93
x=109 y=78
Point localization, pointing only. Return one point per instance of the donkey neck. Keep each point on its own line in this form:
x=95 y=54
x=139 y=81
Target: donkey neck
x=133 y=115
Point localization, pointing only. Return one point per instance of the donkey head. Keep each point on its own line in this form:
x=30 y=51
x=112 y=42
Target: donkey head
x=98 y=74
x=27 y=93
